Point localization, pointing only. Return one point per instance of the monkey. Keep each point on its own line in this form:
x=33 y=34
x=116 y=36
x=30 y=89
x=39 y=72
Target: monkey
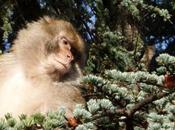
x=36 y=76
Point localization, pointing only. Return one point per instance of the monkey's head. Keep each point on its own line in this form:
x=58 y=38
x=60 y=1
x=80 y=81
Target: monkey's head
x=49 y=45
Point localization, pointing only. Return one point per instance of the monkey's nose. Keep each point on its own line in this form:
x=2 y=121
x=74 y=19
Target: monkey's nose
x=70 y=57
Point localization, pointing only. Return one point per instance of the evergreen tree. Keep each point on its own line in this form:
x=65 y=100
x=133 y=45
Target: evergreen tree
x=121 y=90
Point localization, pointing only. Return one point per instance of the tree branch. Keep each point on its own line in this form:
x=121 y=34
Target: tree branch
x=146 y=101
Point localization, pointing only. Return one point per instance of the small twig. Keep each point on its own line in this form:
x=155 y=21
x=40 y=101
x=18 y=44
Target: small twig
x=138 y=106
x=146 y=101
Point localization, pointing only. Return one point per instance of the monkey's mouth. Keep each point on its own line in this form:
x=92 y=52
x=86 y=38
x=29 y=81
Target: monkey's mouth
x=64 y=65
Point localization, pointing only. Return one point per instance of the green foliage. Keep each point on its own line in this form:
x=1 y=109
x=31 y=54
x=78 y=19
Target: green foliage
x=54 y=120
x=5 y=15
x=166 y=64
x=109 y=54
x=119 y=33
x=48 y=122
x=90 y=116
x=135 y=100
x=131 y=6
x=6 y=27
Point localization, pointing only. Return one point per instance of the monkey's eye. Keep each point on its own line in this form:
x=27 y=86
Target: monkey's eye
x=65 y=42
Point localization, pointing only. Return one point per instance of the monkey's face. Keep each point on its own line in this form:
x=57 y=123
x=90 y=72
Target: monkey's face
x=60 y=56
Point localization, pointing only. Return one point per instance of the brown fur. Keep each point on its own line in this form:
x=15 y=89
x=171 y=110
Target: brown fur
x=25 y=84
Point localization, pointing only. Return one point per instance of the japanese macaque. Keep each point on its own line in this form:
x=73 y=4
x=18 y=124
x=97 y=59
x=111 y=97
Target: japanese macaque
x=37 y=75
